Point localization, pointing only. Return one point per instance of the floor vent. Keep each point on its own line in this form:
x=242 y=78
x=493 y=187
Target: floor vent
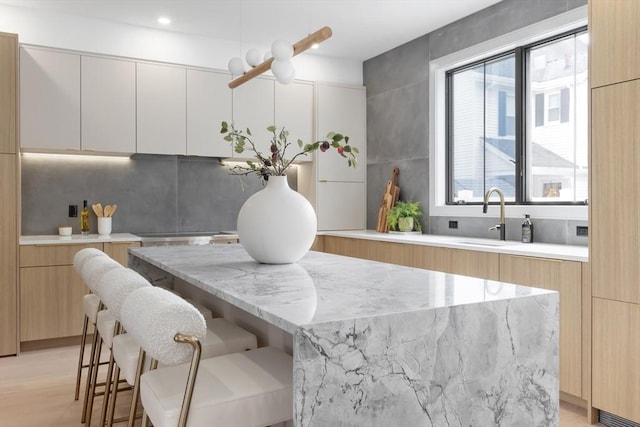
x=610 y=420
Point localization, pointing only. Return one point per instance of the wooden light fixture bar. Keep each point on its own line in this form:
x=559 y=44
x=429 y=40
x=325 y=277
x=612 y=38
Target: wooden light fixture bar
x=319 y=36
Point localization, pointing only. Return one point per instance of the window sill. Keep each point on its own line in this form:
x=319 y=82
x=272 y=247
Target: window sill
x=559 y=212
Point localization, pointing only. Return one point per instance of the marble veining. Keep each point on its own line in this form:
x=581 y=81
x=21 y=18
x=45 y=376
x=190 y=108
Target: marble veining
x=377 y=344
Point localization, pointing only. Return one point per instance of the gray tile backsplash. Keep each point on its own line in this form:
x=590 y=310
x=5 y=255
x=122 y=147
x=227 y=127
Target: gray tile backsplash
x=153 y=193
x=398 y=118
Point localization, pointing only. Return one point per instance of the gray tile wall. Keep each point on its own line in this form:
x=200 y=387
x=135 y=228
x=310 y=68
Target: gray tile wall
x=153 y=193
x=398 y=114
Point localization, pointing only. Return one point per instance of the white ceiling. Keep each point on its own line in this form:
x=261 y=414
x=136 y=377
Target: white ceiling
x=361 y=28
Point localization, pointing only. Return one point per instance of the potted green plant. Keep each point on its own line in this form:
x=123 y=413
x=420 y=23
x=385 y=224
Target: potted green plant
x=405 y=216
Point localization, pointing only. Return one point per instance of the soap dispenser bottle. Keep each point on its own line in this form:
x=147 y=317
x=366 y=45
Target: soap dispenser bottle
x=84 y=219
x=527 y=230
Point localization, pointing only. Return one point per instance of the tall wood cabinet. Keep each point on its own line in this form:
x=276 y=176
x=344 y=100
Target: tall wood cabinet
x=8 y=193
x=614 y=205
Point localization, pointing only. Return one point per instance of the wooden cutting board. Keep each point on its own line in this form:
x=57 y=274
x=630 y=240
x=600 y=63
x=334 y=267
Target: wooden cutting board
x=389 y=199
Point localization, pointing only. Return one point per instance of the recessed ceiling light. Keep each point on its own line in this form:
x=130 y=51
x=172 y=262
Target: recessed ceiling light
x=164 y=20
x=315 y=46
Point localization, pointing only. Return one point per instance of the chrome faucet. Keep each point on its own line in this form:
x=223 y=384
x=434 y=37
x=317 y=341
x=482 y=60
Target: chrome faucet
x=501 y=226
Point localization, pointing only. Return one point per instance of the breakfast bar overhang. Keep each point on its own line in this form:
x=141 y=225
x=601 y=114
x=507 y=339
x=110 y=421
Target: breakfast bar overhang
x=377 y=344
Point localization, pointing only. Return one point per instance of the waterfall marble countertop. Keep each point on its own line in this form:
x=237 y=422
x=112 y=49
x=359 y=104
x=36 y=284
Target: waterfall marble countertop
x=378 y=344
x=510 y=247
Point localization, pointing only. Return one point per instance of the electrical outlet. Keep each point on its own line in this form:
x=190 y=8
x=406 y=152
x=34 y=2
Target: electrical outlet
x=73 y=211
x=582 y=230
x=453 y=224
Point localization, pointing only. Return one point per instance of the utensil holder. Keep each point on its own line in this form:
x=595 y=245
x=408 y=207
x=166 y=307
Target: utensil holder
x=104 y=226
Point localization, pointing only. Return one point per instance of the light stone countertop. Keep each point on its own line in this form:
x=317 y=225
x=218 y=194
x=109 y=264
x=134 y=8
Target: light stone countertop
x=77 y=239
x=510 y=247
x=320 y=287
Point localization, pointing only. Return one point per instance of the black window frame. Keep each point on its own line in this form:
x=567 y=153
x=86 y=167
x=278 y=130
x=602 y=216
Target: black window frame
x=520 y=53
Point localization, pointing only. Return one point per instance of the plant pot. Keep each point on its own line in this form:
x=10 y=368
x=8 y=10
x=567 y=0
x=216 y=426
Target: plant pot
x=277 y=225
x=405 y=224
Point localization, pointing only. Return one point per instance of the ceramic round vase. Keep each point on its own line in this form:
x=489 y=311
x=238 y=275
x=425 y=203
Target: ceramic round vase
x=277 y=225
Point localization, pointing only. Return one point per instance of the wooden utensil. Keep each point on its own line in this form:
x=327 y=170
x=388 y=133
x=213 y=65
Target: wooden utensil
x=100 y=212
x=95 y=209
x=107 y=211
x=113 y=209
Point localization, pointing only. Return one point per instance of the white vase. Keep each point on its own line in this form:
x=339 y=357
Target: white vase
x=277 y=225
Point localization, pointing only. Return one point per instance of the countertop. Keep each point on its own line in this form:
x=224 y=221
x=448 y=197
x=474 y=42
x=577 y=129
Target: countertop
x=540 y=250
x=321 y=287
x=77 y=239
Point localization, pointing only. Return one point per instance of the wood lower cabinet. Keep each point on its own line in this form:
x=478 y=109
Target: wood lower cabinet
x=51 y=291
x=457 y=261
x=8 y=255
x=566 y=278
x=394 y=253
x=616 y=358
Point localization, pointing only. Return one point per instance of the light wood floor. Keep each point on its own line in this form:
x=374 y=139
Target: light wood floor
x=36 y=390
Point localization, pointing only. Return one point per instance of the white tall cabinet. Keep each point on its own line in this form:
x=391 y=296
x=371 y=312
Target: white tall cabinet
x=108 y=103
x=49 y=99
x=161 y=109
x=294 y=110
x=337 y=192
x=208 y=104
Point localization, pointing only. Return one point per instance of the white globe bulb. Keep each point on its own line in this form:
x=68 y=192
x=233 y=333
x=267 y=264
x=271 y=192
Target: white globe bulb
x=285 y=80
x=281 y=69
x=253 y=57
x=282 y=50
x=267 y=55
x=236 y=66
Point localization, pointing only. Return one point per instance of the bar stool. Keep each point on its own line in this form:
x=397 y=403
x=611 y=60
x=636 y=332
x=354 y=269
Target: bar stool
x=112 y=289
x=250 y=388
x=90 y=304
x=221 y=337
x=91 y=272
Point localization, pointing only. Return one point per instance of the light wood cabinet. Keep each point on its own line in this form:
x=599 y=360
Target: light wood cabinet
x=614 y=38
x=8 y=92
x=457 y=261
x=294 y=111
x=208 y=104
x=161 y=109
x=119 y=251
x=50 y=302
x=51 y=291
x=8 y=255
x=8 y=195
x=615 y=179
x=566 y=278
x=253 y=108
x=108 y=107
x=616 y=358
x=49 y=99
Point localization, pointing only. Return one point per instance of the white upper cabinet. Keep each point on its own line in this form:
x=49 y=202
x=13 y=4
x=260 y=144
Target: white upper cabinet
x=341 y=109
x=161 y=109
x=253 y=108
x=294 y=111
x=108 y=105
x=208 y=104
x=49 y=99
x=341 y=205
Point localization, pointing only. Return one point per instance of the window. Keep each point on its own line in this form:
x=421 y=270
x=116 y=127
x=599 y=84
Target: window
x=518 y=121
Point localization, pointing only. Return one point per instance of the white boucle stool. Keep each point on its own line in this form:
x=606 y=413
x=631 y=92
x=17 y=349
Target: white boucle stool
x=153 y=317
x=90 y=305
x=92 y=269
x=112 y=289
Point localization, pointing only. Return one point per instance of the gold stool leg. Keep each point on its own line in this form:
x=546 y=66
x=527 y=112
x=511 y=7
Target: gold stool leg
x=92 y=363
x=94 y=380
x=107 y=390
x=114 y=396
x=83 y=342
x=136 y=388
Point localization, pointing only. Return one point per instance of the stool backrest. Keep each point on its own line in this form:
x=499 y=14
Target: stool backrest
x=94 y=268
x=154 y=317
x=115 y=285
x=83 y=255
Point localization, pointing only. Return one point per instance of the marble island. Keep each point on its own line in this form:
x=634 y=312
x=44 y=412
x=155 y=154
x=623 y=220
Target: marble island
x=377 y=344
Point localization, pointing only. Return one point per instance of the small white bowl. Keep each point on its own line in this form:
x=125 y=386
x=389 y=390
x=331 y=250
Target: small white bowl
x=64 y=231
